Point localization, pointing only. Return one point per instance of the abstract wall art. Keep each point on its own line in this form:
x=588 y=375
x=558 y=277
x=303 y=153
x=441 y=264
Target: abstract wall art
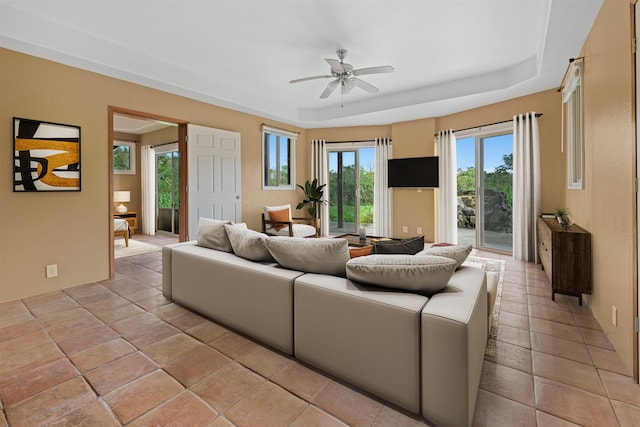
x=46 y=156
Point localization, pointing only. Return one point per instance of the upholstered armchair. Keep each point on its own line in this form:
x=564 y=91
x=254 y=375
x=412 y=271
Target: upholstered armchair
x=277 y=221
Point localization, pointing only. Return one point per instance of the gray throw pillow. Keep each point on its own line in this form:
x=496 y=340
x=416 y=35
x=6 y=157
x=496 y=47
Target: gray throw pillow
x=423 y=274
x=248 y=244
x=322 y=256
x=409 y=246
x=457 y=253
x=212 y=235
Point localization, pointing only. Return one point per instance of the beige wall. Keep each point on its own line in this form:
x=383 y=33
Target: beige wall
x=606 y=205
x=71 y=229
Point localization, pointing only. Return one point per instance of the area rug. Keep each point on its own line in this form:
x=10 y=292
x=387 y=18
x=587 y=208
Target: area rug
x=495 y=277
x=135 y=248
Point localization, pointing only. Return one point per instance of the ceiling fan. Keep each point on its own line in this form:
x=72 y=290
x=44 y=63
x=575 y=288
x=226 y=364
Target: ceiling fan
x=346 y=77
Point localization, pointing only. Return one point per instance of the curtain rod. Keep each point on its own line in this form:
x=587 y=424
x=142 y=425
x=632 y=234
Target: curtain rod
x=166 y=143
x=571 y=61
x=352 y=141
x=489 y=124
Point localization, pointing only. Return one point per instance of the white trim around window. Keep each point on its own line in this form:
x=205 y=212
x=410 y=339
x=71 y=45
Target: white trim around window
x=131 y=148
x=572 y=101
x=278 y=159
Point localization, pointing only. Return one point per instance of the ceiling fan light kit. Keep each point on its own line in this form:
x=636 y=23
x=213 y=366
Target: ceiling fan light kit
x=346 y=77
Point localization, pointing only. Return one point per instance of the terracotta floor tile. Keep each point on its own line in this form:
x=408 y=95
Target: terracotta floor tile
x=233 y=345
x=221 y=422
x=69 y=317
x=19 y=329
x=560 y=347
x=267 y=405
x=143 y=338
x=628 y=415
x=45 y=299
x=541 y=292
x=95 y=414
x=596 y=338
x=64 y=330
x=340 y=401
x=572 y=404
x=567 y=372
x=101 y=354
x=136 y=398
x=301 y=381
x=514 y=320
x=587 y=321
x=149 y=292
x=196 y=364
x=508 y=382
x=314 y=417
x=608 y=360
x=88 y=338
x=547 y=302
x=16 y=362
x=133 y=324
x=226 y=386
x=207 y=331
x=110 y=316
x=264 y=361
x=65 y=398
x=548 y=420
x=514 y=307
x=515 y=336
x=9 y=308
x=169 y=349
x=512 y=356
x=168 y=311
x=153 y=302
x=111 y=302
x=83 y=291
x=122 y=371
x=186 y=321
x=391 y=418
x=559 y=316
x=185 y=409
x=126 y=286
x=30 y=382
x=62 y=305
x=517 y=297
x=560 y=330
x=493 y=410
x=24 y=343
x=621 y=387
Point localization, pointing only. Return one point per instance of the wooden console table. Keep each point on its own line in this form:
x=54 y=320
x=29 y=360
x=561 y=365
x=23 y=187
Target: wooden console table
x=131 y=217
x=566 y=257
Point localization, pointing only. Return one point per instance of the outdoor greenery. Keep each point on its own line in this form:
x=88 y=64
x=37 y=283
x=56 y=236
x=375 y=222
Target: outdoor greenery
x=272 y=179
x=167 y=180
x=501 y=179
x=349 y=194
x=121 y=158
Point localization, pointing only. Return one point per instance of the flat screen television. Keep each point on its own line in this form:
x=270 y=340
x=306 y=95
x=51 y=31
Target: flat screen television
x=414 y=172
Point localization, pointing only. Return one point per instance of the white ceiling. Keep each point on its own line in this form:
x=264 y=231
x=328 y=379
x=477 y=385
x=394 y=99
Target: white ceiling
x=448 y=55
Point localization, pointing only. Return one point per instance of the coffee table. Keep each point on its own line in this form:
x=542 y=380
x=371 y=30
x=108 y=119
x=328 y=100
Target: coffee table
x=354 y=240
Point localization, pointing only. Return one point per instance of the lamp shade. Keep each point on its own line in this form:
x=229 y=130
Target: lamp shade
x=121 y=196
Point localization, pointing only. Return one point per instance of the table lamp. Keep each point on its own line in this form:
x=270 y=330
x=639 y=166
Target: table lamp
x=120 y=197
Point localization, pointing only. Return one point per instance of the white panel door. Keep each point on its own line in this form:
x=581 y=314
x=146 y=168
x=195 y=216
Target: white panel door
x=214 y=176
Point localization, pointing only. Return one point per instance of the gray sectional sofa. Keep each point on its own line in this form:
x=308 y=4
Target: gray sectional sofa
x=423 y=354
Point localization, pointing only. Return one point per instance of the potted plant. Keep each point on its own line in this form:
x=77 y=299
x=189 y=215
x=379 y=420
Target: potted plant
x=564 y=217
x=313 y=198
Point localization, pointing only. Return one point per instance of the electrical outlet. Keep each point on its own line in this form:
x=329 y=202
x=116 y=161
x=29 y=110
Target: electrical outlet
x=419 y=230
x=405 y=229
x=52 y=271
x=614 y=315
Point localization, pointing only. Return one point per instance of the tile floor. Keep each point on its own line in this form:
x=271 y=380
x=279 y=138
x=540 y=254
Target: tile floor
x=118 y=353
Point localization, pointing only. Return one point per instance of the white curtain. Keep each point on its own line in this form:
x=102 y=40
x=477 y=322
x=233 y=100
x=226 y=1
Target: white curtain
x=526 y=186
x=319 y=172
x=148 y=181
x=383 y=197
x=447 y=188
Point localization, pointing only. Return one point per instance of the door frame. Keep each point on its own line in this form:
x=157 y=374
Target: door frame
x=182 y=173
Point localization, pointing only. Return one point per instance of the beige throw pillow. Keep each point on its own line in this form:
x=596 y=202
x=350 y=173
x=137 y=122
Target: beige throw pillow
x=212 y=235
x=248 y=244
x=457 y=253
x=421 y=274
x=322 y=256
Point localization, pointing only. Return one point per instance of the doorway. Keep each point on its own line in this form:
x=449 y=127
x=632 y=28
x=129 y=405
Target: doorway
x=135 y=185
x=167 y=188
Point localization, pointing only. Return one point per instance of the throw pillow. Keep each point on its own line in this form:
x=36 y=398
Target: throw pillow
x=248 y=244
x=409 y=246
x=322 y=256
x=456 y=252
x=282 y=215
x=212 y=235
x=357 y=252
x=424 y=274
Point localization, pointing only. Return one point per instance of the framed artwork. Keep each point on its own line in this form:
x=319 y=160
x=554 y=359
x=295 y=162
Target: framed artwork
x=46 y=156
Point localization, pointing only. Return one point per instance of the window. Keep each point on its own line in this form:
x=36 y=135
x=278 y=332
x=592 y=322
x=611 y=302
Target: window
x=278 y=159
x=572 y=100
x=124 y=157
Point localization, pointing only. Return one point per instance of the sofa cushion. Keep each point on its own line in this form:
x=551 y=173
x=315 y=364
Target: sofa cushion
x=323 y=256
x=409 y=246
x=425 y=274
x=212 y=235
x=248 y=244
x=458 y=253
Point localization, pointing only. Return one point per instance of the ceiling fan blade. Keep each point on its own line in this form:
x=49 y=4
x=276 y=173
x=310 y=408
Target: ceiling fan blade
x=336 y=66
x=367 y=87
x=373 y=70
x=310 y=78
x=330 y=88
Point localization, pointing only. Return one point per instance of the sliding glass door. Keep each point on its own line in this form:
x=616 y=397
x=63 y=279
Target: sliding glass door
x=485 y=191
x=168 y=199
x=351 y=178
